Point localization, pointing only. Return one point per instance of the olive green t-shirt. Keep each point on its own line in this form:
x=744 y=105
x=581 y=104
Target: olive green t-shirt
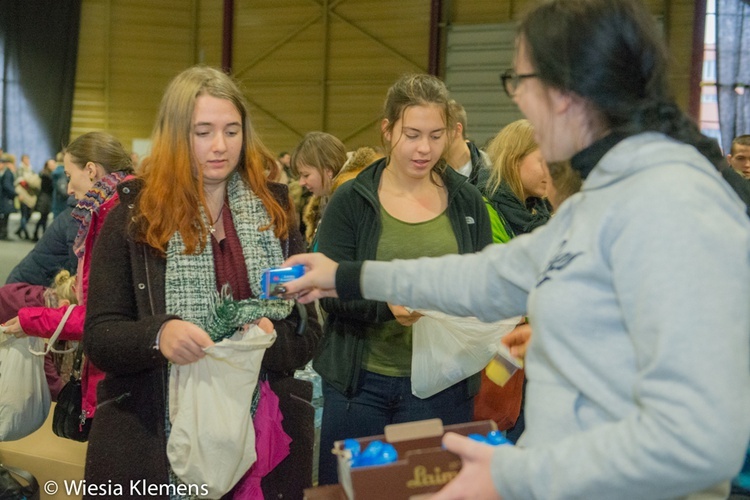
x=388 y=345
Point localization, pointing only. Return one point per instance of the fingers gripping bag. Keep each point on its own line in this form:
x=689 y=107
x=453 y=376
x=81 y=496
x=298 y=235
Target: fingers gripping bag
x=212 y=440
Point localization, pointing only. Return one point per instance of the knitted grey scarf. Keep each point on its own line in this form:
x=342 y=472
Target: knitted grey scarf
x=190 y=286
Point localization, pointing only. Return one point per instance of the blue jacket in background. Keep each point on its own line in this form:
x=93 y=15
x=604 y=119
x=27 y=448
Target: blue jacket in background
x=52 y=253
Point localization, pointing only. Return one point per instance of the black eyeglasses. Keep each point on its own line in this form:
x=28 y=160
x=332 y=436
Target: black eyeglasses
x=511 y=80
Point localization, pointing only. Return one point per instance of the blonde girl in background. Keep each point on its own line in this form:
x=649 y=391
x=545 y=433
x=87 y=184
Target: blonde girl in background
x=516 y=182
x=62 y=293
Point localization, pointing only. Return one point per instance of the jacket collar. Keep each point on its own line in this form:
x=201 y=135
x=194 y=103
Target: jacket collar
x=368 y=181
x=584 y=161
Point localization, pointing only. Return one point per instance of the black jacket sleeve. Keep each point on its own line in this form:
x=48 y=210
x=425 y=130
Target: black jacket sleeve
x=121 y=325
x=343 y=236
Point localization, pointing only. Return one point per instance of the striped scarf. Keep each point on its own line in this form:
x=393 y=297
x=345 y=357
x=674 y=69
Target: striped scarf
x=100 y=192
x=190 y=286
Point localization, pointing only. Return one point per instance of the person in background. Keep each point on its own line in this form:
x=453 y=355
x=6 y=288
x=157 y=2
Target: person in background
x=95 y=163
x=739 y=156
x=515 y=183
x=462 y=154
x=27 y=185
x=60 y=198
x=565 y=183
x=408 y=204
x=315 y=162
x=285 y=161
x=200 y=218
x=517 y=178
x=44 y=198
x=52 y=253
x=59 y=293
x=7 y=193
x=358 y=160
x=635 y=283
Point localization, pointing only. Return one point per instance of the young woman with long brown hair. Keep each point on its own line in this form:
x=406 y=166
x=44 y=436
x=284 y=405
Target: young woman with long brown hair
x=201 y=222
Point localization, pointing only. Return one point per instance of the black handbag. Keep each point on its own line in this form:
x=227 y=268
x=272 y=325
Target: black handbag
x=69 y=421
x=11 y=489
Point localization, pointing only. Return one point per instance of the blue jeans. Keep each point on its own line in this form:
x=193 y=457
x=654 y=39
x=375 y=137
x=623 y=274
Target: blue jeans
x=379 y=401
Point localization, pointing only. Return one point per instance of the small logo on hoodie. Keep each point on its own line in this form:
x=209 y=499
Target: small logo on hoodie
x=469 y=220
x=559 y=262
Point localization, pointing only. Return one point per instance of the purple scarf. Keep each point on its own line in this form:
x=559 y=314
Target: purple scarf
x=100 y=192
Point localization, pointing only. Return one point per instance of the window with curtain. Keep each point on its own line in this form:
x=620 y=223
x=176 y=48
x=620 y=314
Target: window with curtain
x=38 y=51
x=709 y=108
x=732 y=37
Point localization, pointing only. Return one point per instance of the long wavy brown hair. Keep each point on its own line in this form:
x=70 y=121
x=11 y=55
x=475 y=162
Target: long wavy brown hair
x=172 y=194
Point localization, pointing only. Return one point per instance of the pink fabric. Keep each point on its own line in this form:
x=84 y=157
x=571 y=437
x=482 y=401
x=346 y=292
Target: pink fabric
x=42 y=321
x=271 y=445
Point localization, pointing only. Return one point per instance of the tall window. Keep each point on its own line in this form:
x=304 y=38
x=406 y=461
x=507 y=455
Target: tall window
x=709 y=111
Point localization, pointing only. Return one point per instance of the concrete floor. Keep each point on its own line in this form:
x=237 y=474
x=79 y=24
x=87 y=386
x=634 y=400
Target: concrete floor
x=15 y=249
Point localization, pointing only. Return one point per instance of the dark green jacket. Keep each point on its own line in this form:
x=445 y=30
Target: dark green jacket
x=350 y=231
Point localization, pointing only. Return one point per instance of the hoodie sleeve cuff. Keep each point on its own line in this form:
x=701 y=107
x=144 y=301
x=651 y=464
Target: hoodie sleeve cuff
x=348 y=280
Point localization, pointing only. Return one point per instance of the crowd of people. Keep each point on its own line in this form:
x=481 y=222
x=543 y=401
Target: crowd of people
x=603 y=219
x=25 y=190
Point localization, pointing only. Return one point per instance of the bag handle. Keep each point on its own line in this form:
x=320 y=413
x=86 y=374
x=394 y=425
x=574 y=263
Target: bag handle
x=75 y=372
x=29 y=491
x=54 y=336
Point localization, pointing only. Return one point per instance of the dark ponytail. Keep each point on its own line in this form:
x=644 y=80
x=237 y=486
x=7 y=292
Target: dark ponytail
x=666 y=117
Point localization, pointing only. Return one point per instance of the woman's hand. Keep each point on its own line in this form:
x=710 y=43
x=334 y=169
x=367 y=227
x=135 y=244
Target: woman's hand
x=403 y=316
x=475 y=478
x=182 y=342
x=13 y=327
x=318 y=281
x=518 y=340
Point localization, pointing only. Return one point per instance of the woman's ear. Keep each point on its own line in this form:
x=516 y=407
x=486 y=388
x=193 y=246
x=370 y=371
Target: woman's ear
x=91 y=170
x=384 y=129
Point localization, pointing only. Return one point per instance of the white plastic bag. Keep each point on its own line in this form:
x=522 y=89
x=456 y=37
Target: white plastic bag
x=24 y=393
x=447 y=349
x=212 y=441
